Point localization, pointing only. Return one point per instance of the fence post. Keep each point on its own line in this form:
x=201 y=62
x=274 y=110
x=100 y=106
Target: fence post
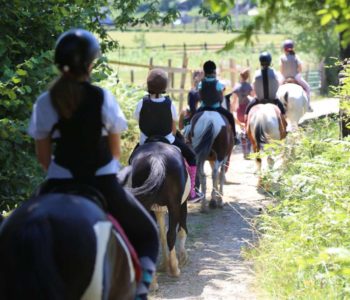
x=232 y=72
x=183 y=81
x=171 y=78
x=151 y=63
x=322 y=71
x=132 y=76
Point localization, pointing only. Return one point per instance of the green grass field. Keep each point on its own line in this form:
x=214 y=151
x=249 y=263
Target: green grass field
x=134 y=49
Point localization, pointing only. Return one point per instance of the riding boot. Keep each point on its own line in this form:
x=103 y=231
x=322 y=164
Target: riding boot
x=194 y=195
x=148 y=270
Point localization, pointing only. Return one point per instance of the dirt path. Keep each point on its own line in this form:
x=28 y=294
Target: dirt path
x=216 y=269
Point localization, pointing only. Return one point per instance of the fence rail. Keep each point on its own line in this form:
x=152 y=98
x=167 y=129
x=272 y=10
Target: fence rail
x=315 y=76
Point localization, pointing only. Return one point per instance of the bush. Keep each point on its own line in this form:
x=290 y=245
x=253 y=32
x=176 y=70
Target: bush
x=304 y=250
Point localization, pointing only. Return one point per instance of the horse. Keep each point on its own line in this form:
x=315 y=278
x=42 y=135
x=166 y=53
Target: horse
x=60 y=246
x=158 y=178
x=264 y=124
x=212 y=139
x=295 y=100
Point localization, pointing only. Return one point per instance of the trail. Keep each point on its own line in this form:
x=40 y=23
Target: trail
x=216 y=269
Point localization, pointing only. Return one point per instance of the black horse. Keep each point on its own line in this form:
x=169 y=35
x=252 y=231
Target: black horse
x=59 y=246
x=158 y=178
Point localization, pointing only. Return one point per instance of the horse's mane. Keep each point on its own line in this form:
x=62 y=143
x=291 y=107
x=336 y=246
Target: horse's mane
x=30 y=245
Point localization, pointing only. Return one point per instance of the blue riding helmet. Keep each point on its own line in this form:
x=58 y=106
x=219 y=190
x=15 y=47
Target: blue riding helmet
x=265 y=58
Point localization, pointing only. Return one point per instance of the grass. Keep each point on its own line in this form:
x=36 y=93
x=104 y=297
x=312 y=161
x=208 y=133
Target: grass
x=243 y=56
x=304 y=249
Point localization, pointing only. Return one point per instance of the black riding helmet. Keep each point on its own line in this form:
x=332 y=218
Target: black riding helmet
x=157 y=81
x=209 y=67
x=75 y=50
x=265 y=58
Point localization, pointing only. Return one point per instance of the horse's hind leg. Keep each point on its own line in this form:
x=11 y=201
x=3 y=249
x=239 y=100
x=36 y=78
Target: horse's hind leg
x=171 y=238
x=203 y=182
x=215 y=191
x=222 y=181
x=183 y=234
x=160 y=215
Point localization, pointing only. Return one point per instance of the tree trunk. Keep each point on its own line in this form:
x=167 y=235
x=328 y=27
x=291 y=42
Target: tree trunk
x=344 y=115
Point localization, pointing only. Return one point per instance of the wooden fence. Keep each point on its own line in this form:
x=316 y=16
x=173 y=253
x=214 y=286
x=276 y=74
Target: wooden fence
x=313 y=74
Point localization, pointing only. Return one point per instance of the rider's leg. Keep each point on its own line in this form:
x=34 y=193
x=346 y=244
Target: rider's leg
x=229 y=117
x=190 y=157
x=138 y=225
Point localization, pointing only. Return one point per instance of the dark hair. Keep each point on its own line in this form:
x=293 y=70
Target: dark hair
x=66 y=94
x=209 y=67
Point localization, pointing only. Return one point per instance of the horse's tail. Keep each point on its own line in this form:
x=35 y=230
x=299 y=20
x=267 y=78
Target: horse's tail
x=260 y=135
x=204 y=143
x=31 y=250
x=155 y=177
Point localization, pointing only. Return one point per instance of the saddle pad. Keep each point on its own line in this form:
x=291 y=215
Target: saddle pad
x=131 y=249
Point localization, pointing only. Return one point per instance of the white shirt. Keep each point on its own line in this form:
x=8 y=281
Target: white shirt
x=170 y=137
x=44 y=117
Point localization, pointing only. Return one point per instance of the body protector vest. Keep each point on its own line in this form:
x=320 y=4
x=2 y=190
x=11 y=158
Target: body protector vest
x=155 y=117
x=209 y=94
x=81 y=148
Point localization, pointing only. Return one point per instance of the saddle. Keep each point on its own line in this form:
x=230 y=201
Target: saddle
x=84 y=190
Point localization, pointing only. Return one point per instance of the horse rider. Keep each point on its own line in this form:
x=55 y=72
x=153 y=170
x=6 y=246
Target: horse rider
x=157 y=118
x=193 y=100
x=84 y=123
x=265 y=85
x=291 y=67
x=211 y=94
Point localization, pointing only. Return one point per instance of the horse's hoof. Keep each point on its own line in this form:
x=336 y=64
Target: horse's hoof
x=154 y=285
x=174 y=273
x=213 y=204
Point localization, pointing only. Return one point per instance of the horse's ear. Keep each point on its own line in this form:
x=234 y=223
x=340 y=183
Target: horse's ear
x=286 y=97
x=123 y=175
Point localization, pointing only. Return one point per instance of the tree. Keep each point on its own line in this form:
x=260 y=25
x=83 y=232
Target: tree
x=29 y=30
x=328 y=20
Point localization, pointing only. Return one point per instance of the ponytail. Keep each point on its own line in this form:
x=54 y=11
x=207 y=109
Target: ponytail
x=66 y=94
x=291 y=52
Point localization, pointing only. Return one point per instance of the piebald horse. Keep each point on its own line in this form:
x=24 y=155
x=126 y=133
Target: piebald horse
x=158 y=178
x=295 y=101
x=212 y=139
x=59 y=246
x=264 y=124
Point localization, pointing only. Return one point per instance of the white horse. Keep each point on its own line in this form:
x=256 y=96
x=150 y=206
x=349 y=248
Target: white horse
x=295 y=100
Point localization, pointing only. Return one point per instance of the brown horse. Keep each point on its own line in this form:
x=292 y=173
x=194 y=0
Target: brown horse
x=212 y=139
x=60 y=246
x=264 y=124
x=158 y=178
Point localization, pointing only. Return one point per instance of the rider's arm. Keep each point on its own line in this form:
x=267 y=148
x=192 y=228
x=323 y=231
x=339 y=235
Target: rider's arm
x=174 y=127
x=114 y=144
x=181 y=119
x=43 y=152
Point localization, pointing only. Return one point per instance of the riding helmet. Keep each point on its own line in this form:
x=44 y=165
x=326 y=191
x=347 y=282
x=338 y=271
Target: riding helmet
x=209 y=67
x=157 y=81
x=265 y=58
x=75 y=50
x=288 y=45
